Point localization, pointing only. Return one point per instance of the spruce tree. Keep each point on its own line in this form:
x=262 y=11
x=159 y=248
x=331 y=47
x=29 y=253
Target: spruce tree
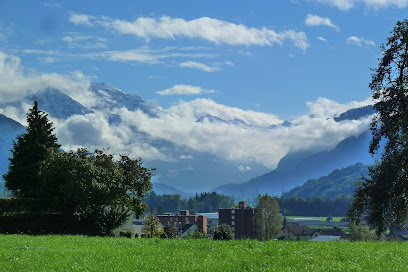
x=29 y=149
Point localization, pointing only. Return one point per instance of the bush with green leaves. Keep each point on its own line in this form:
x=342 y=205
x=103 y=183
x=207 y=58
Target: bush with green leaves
x=170 y=231
x=223 y=232
x=95 y=189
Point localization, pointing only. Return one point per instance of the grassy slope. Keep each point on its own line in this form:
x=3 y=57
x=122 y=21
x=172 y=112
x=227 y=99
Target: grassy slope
x=76 y=253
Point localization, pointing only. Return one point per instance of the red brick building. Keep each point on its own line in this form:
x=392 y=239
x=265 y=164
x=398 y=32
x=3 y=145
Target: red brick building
x=240 y=219
x=179 y=220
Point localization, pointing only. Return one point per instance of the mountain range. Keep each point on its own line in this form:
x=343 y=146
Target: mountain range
x=187 y=169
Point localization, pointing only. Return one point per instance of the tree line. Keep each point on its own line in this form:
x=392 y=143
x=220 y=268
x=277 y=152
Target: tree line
x=204 y=202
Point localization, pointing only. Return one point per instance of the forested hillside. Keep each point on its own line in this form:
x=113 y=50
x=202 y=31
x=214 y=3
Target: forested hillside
x=340 y=181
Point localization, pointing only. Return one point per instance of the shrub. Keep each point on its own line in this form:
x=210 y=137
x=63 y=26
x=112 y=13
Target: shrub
x=223 y=232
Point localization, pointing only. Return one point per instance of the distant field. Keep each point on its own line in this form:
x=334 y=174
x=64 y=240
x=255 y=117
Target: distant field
x=335 y=219
x=78 y=253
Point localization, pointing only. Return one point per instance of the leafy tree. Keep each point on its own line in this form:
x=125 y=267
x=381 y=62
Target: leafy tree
x=384 y=195
x=170 y=231
x=151 y=224
x=268 y=220
x=360 y=232
x=95 y=189
x=28 y=151
x=223 y=232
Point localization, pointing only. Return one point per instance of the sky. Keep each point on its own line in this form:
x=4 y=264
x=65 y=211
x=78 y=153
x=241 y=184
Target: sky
x=262 y=61
x=269 y=56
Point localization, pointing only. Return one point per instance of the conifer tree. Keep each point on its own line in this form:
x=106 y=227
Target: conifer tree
x=29 y=149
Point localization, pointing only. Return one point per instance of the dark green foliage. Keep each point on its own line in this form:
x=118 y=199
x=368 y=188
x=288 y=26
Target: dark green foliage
x=223 y=232
x=170 y=231
x=28 y=151
x=340 y=181
x=15 y=205
x=384 y=195
x=93 y=192
x=268 y=220
x=125 y=233
x=37 y=224
x=99 y=191
x=317 y=206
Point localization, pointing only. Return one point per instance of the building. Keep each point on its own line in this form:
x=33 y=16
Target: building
x=240 y=219
x=299 y=233
x=179 y=220
x=336 y=231
x=212 y=218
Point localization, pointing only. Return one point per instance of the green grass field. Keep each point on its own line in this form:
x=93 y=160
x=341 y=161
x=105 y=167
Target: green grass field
x=78 y=253
x=335 y=219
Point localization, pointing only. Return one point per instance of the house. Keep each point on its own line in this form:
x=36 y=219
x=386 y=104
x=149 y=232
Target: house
x=335 y=231
x=179 y=220
x=127 y=226
x=240 y=219
x=187 y=229
x=299 y=233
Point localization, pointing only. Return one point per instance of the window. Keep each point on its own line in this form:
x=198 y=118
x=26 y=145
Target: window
x=233 y=217
x=233 y=229
x=232 y=211
x=233 y=223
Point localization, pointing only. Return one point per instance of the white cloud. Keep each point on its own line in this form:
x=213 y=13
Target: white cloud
x=146 y=55
x=212 y=30
x=359 y=41
x=326 y=108
x=81 y=19
x=94 y=132
x=375 y=4
x=186 y=157
x=322 y=39
x=83 y=41
x=198 y=65
x=15 y=85
x=258 y=139
x=185 y=90
x=244 y=168
x=315 y=20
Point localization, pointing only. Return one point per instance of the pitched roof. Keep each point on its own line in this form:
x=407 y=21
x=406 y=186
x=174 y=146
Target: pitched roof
x=186 y=227
x=300 y=230
x=334 y=232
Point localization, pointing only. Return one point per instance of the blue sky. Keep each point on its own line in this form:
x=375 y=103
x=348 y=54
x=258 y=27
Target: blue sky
x=319 y=48
x=260 y=62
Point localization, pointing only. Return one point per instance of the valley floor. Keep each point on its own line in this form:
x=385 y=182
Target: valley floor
x=78 y=253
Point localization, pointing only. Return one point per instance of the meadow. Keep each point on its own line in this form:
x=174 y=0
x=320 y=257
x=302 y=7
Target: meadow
x=79 y=253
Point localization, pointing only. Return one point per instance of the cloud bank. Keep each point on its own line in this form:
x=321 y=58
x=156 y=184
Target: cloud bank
x=201 y=124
